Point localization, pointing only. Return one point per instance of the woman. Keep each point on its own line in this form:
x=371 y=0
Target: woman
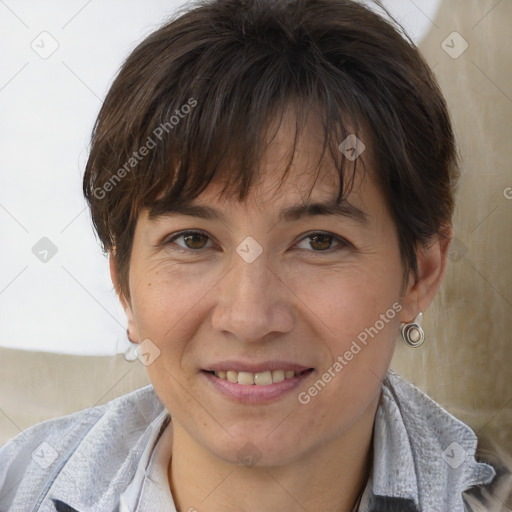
x=273 y=182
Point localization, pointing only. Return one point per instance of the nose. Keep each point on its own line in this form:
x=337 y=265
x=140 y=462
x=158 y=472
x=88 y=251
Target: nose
x=252 y=302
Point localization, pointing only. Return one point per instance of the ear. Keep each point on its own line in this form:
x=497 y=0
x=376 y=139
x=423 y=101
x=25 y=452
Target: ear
x=432 y=261
x=131 y=330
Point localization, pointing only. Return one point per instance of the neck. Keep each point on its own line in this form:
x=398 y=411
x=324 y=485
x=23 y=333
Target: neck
x=329 y=478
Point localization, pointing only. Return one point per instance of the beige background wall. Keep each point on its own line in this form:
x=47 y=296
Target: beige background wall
x=466 y=361
x=466 y=364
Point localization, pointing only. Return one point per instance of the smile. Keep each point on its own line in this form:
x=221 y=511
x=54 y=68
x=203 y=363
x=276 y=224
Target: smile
x=264 y=378
x=258 y=386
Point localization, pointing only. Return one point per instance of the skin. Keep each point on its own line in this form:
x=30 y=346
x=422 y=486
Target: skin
x=295 y=302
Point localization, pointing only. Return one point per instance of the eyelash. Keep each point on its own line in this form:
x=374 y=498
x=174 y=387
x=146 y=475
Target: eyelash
x=342 y=242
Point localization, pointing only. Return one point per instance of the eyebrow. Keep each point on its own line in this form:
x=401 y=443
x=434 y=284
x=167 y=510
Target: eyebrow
x=288 y=214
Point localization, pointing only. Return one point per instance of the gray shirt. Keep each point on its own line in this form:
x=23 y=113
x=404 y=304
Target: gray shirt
x=114 y=457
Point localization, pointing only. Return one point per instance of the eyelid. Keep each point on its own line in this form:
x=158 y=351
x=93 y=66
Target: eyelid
x=170 y=239
x=342 y=242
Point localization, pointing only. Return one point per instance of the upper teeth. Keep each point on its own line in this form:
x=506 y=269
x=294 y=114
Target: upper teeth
x=260 y=378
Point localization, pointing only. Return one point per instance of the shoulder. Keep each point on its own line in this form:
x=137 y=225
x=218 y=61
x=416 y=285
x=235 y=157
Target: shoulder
x=38 y=454
x=436 y=451
x=497 y=494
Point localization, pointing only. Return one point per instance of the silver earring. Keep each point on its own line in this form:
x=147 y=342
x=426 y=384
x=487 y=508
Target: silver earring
x=412 y=333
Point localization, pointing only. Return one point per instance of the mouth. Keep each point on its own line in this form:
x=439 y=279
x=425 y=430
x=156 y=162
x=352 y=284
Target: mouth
x=260 y=378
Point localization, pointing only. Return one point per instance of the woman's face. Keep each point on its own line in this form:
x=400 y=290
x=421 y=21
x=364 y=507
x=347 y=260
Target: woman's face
x=259 y=290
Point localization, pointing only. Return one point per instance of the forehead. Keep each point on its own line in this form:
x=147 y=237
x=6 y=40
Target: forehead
x=296 y=198
x=295 y=168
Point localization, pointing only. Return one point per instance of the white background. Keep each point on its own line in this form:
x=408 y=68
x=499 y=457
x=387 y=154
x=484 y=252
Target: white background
x=47 y=110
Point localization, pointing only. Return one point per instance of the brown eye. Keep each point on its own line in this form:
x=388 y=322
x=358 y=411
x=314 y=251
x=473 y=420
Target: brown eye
x=195 y=240
x=322 y=242
x=192 y=240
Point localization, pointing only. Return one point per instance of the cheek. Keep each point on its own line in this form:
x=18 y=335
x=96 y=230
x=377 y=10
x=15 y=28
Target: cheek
x=356 y=314
x=343 y=302
x=167 y=309
x=166 y=303
x=362 y=319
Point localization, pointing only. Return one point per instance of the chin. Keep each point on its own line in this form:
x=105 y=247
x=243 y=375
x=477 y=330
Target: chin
x=256 y=449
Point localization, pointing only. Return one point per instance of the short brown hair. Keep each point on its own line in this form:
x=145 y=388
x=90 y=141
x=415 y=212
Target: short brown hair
x=200 y=92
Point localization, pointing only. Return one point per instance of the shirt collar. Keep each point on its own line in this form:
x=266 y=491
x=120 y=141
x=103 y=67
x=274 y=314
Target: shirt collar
x=423 y=455
x=149 y=489
x=109 y=453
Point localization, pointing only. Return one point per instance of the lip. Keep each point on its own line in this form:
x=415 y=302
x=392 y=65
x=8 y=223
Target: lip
x=257 y=394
